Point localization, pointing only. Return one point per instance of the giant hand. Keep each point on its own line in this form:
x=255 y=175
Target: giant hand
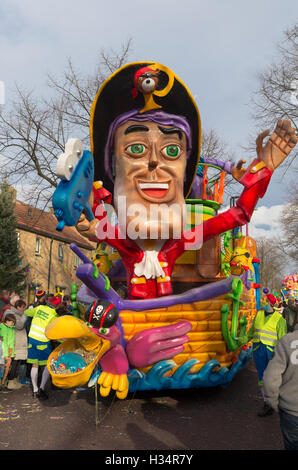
x=238 y=170
x=278 y=146
x=84 y=227
x=157 y=344
x=119 y=383
x=276 y=149
x=97 y=196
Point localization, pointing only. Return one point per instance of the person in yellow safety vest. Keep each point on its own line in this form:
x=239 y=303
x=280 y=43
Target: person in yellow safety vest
x=39 y=346
x=268 y=327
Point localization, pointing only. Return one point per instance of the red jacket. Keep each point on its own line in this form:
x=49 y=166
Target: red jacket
x=255 y=181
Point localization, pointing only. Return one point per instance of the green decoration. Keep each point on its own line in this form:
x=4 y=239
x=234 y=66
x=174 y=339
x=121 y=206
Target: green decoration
x=108 y=282
x=74 y=304
x=96 y=274
x=230 y=337
x=95 y=271
x=225 y=266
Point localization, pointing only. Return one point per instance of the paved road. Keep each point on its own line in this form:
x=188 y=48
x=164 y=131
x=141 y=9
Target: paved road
x=202 y=419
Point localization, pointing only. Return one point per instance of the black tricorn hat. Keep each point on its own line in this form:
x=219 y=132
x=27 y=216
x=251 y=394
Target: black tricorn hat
x=121 y=93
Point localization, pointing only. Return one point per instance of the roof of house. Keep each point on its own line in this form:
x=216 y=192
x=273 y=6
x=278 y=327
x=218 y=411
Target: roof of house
x=34 y=220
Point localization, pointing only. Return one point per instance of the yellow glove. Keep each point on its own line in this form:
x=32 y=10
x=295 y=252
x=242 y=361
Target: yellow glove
x=116 y=382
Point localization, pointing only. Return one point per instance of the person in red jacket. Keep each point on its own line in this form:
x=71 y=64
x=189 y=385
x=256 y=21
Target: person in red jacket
x=146 y=147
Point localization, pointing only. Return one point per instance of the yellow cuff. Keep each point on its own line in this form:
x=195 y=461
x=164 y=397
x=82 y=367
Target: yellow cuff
x=257 y=167
x=138 y=280
x=97 y=184
x=163 y=279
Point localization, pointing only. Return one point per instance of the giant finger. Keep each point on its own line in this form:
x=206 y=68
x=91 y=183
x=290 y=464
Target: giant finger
x=260 y=138
x=115 y=384
x=166 y=354
x=122 y=394
x=168 y=343
x=123 y=383
x=104 y=391
x=169 y=331
x=102 y=378
x=240 y=164
x=108 y=380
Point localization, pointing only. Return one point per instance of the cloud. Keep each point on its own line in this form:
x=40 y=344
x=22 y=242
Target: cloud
x=265 y=221
x=217 y=48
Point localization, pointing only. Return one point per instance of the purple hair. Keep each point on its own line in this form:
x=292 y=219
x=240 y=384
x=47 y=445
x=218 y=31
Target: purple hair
x=160 y=117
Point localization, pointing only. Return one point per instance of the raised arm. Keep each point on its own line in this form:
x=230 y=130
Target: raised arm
x=255 y=180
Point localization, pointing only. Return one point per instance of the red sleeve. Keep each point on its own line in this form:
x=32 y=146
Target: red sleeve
x=106 y=232
x=255 y=181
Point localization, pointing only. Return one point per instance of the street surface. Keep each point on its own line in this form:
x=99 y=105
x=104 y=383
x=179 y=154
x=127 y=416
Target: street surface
x=201 y=419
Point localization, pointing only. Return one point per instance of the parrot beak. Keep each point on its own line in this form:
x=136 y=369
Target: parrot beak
x=69 y=327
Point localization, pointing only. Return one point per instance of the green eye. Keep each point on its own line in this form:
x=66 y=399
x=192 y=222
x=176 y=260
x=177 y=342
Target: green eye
x=103 y=331
x=171 y=151
x=136 y=149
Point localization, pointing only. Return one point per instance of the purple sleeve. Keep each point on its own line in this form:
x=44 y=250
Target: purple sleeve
x=226 y=166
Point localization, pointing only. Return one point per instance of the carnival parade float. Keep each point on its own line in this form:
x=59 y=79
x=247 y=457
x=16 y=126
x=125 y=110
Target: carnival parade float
x=154 y=205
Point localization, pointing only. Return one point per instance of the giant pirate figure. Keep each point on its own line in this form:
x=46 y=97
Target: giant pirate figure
x=145 y=138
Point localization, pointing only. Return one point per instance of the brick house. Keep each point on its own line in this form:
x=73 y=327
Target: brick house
x=52 y=264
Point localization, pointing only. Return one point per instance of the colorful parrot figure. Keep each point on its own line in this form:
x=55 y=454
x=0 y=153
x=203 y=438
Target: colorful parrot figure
x=240 y=259
x=98 y=335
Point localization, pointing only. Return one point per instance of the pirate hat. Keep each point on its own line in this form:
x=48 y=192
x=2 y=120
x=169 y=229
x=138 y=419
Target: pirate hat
x=101 y=314
x=40 y=293
x=55 y=301
x=143 y=87
x=271 y=299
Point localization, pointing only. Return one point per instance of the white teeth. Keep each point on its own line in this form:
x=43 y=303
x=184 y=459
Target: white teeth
x=154 y=186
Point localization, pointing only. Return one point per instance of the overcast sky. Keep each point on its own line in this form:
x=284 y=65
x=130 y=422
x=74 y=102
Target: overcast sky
x=216 y=47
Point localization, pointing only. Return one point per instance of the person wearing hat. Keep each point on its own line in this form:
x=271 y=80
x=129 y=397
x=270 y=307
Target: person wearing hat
x=41 y=297
x=267 y=329
x=281 y=386
x=39 y=346
x=145 y=134
x=290 y=312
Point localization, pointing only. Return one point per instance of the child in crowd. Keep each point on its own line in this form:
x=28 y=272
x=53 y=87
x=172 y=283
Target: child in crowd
x=18 y=370
x=2 y=313
x=7 y=335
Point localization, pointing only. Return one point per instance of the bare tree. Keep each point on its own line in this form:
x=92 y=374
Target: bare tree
x=214 y=146
x=289 y=225
x=277 y=95
x=34 y=131
x=272 y=263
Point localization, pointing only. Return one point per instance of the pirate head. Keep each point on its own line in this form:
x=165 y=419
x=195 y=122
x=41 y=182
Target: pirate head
x=145 y=138
x=101 y=315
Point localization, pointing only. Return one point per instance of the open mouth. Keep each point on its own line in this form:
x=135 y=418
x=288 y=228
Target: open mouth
x=154 y=189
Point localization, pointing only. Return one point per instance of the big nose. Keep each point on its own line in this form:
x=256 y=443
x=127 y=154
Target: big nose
x=153 y=160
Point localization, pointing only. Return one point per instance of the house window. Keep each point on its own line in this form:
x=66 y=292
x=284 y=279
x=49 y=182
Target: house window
x=18 y=238
x=77 y=261
x=37 y=246
x=60 y=252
